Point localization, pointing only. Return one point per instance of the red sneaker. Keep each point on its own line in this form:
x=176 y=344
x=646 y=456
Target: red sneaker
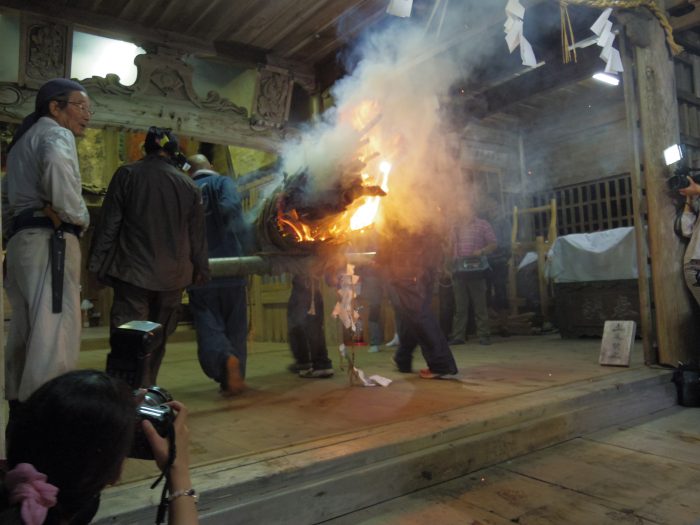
x=426 y=373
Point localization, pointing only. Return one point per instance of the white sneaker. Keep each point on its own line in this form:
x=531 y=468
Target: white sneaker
x=313 y=373
x=373 y=349
x=394 y=341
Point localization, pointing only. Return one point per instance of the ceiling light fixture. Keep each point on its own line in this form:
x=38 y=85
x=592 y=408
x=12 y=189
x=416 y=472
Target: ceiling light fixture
x=608 y=78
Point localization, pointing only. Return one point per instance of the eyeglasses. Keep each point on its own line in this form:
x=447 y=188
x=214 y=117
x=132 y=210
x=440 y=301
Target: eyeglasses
x=82 y=107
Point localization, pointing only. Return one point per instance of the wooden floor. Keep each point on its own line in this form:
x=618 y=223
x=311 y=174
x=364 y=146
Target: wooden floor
x=645 y=472
x=280 y=410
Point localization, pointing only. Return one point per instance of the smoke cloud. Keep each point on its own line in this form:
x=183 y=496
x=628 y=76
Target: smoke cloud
x=388 y=109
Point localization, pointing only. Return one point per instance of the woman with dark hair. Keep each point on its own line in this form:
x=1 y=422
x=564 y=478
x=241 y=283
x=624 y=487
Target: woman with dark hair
x=69 y=441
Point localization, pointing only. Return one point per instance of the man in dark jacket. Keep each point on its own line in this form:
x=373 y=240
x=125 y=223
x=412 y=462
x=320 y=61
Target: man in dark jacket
x=218 y=308
x=409 y=261
x=148 y=245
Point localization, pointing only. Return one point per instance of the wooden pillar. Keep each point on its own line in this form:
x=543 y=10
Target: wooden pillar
x=513 y=266
x=541 y=248
x=638 y=204
x=672 y=308
x=4 y=409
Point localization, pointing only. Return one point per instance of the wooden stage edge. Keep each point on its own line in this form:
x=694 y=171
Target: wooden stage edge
x=343 y=469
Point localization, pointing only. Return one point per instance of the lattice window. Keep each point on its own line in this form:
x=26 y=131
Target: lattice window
x=588 y=207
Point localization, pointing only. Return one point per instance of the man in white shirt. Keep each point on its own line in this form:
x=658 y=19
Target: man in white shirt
x=47 y=214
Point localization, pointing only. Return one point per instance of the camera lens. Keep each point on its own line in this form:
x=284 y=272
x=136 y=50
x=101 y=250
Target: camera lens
x=156 y=396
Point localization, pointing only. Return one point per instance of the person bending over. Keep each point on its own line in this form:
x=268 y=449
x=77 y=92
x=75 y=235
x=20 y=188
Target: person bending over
x=70 y=441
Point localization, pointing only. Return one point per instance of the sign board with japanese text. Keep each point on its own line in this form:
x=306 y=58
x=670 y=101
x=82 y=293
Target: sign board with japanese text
x=618 y=337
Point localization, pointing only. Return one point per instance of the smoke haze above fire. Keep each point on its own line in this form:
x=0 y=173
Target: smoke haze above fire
x=388 y=109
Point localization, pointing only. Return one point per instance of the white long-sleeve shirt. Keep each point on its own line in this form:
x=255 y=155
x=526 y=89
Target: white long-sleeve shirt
x=42 y=168
x=690 y=227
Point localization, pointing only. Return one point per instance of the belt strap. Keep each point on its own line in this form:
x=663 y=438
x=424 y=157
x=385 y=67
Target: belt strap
x=57 y=251
x=21 y=222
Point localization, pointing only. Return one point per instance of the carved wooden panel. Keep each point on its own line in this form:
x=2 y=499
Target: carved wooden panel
x=44 y=51
x=10 y=96
x=162 y=75
x=273 y=95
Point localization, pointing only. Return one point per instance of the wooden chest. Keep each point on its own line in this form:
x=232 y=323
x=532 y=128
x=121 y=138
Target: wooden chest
x=582 y=308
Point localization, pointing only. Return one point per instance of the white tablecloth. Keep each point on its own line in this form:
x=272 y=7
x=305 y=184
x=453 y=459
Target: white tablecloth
x=602 y=256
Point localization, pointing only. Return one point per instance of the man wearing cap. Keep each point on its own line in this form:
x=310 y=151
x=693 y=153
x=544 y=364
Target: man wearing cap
x=148 y=245
x=45 y=215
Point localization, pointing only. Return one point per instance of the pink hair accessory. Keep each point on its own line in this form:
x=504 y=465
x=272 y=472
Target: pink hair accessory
x=29 y=488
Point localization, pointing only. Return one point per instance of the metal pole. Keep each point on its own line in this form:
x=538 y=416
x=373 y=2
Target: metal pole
x=274 y=263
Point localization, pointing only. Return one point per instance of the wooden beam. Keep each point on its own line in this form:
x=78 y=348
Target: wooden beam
x=551 y=76
x=240 y=54
x=302 y=22
x=329 y=26
x=442 y=45
x=685 y=22
x=525 y=83
x=670 y=5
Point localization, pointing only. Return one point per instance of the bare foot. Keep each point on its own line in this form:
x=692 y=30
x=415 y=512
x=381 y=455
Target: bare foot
x=234 y=381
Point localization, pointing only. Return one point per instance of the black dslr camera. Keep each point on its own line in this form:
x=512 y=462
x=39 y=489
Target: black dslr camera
x=132 y=346
x=679 y=179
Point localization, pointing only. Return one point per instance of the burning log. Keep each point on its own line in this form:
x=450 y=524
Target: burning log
x=298 y=228
x=296 y=218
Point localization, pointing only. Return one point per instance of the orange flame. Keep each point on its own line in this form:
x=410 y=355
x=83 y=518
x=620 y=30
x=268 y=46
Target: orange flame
x=367 y=212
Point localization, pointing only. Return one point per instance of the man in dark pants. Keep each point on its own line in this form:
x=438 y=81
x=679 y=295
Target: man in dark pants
x=218 y=308
x=409 y=261
x=148 y=245
x=474 y=238
x=305 y=329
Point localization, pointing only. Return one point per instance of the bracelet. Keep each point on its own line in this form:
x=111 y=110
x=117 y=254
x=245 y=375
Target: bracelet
x=188 y=492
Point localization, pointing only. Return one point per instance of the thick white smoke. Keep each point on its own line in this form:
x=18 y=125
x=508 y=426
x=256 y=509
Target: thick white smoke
x=388 y=109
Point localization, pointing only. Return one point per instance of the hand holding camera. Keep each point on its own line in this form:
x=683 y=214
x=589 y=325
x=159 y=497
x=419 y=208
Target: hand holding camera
x=691 y=189
x=183 y=498
x=160 y=445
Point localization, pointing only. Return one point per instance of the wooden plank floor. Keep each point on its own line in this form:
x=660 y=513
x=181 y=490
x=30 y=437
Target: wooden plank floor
x=280 y=409
x=646 y=472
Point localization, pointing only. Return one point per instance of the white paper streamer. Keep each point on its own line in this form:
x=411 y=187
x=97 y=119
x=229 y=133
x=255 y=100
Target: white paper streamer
x=357 y=376
x=602 y=27
x=513 y=28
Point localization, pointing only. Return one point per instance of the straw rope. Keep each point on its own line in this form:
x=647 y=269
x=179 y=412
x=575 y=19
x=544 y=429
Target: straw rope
x=568 y=51
x=631 y=4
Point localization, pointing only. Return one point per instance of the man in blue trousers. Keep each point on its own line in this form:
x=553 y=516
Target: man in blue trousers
x=218 y=308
